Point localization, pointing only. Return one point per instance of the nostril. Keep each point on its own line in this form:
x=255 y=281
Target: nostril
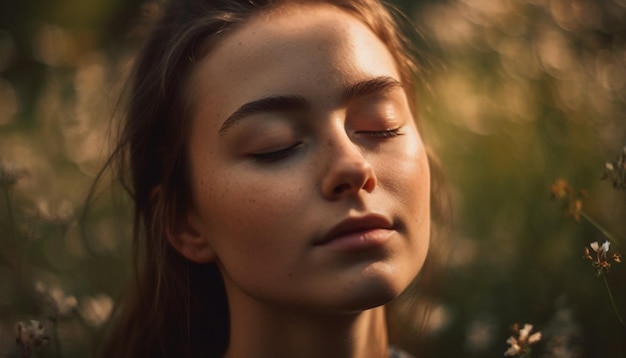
x=341 y=188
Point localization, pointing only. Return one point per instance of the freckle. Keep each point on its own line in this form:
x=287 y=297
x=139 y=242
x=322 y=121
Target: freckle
x=290 y=274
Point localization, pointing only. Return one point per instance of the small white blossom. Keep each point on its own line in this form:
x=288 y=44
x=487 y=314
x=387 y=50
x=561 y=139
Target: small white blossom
x=512 y=351
x=524 y=332
x=601 y=262
x=30 y=336
x=520 y=345
x=534 y=338
x=600 y=249
x=514 y=348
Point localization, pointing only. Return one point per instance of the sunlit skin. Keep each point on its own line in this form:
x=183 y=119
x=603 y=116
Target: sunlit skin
x=300 y=121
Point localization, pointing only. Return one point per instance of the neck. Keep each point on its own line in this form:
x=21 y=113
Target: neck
x=278 y=333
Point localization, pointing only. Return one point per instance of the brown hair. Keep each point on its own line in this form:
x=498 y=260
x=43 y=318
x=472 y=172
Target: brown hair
x=177 y=308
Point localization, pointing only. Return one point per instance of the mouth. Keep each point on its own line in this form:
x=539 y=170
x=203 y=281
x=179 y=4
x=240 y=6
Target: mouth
x=358 y=232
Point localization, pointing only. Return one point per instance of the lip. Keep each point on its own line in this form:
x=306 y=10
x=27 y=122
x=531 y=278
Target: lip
x=358 y=232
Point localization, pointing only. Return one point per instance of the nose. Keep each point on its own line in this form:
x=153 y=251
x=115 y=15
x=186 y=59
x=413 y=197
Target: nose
x=348 y=171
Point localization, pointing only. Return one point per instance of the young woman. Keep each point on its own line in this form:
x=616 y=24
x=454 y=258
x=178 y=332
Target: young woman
x=282 y=188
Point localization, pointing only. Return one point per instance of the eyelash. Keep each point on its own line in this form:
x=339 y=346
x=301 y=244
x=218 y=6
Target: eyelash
x=388 y=133
x=274 y=156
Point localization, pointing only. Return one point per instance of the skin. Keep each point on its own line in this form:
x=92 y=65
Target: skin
x=270 y=184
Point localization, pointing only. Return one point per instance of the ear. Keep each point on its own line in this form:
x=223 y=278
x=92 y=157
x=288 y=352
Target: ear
x=184 y=232
x=187 y=238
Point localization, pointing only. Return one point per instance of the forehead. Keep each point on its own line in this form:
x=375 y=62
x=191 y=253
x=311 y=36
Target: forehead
x=308 y=50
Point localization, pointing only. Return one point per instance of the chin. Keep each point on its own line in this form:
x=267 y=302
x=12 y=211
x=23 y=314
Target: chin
x=377 y=288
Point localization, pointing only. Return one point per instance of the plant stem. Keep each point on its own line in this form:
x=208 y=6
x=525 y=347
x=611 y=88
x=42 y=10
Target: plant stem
x=13 y=232
x=57 y=341
x=7 y=200
x=608 y=290
x=597 y=225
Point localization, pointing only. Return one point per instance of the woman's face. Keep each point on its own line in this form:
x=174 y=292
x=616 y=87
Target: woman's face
x=309 y=179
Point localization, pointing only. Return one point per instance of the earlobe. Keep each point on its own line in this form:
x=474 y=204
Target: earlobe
x=189 y=241
x=183 y=232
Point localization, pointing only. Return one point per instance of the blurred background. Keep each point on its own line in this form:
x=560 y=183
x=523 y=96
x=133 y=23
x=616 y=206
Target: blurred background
x=514 y=94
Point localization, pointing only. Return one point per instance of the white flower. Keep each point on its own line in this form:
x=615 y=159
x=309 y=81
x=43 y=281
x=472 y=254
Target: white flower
x=31 y=335
x=523 y=333
x=520 y=345
x=514 y=349
x=600 y=249
x=534 y=338
x=37 y=328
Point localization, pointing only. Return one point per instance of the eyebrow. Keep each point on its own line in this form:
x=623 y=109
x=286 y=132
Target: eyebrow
x=263 y=105
x=291 y=103
x=371 y=86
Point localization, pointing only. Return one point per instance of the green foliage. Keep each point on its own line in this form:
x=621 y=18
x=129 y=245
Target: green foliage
x=527 y=92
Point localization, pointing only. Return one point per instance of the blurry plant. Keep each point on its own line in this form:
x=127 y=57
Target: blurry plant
x=521 y=341
x=561 y=190
x=615 y=172
x=572 y=199
x=23 y=222
x=562 y=334
x=30 y=337
x=9 y=176
x=601 y=263
x=29 y=228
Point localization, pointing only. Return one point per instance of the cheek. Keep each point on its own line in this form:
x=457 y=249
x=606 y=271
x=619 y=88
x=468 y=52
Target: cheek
x=406 y=174
x=251 y=224
x=419 y=201
x=407 y=179
x=246 y=214
x=417 y=180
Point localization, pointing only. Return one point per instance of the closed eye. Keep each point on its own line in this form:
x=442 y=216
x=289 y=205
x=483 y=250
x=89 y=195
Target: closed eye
x=388 y=133
x=275 y=155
